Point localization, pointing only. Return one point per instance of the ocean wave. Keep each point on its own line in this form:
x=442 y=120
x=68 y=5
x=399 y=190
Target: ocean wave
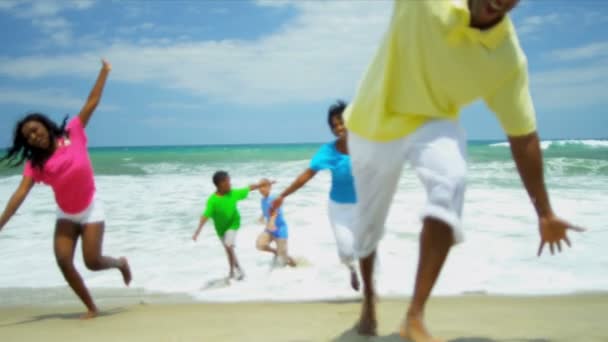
x=151 y=219
x=545 y=144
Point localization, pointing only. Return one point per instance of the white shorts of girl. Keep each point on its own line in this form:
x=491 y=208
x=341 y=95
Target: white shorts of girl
x=435 y=151
x=342 y=219
x=94 y=213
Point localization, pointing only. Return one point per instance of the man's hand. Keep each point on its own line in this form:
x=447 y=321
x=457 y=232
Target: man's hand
x=552 y=231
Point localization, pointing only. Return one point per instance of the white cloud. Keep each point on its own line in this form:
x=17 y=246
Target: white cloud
x=45 y=15
x=52 y=23
x=47 y=98
x=572 y=87
x=320 y=54
x=40 y=98
x=532 y=24
x=220 y=10
x=9 y=4
x=83 y=4
x=595 y=17
x=274 y=3
x=131 y=29
x=177 y=106
x=593 y=50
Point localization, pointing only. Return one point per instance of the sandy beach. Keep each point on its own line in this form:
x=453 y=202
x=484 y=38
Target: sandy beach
x=475 y=318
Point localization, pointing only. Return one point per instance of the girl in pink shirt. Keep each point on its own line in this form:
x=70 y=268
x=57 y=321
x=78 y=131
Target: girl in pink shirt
x=58 y=156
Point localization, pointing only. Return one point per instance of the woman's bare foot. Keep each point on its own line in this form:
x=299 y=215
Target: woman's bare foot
x=89 y=315
x=354 y=280
x=413 y=329
x=368 y=325
x=291 y=262
x=125 y=270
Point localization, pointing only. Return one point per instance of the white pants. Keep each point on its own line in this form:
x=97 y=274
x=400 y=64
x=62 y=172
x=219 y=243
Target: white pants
x=94 y=213
x=436 y=151
x=342 y=219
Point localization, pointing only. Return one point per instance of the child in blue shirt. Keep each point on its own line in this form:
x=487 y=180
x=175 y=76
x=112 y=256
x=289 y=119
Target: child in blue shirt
x=276 y=229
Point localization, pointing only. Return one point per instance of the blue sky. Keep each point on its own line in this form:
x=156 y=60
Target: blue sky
x=223 y=72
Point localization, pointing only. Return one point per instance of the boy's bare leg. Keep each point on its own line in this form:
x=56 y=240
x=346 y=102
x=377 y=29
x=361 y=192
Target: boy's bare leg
x=234 y=264
x=228 y=241
x=263 y=243
x=435 y=242
x=231 y=260
x=239 y=269
x=282 y=252
x=367 y=323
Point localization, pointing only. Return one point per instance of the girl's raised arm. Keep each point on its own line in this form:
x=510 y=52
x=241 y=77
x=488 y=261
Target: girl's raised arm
x=95 y=96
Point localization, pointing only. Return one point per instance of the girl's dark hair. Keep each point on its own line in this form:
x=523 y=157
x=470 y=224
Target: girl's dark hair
x=335 y=109
x=22 y=150
x=219 y=177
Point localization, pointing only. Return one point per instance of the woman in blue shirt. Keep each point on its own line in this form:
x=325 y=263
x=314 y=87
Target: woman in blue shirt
x=334 y=156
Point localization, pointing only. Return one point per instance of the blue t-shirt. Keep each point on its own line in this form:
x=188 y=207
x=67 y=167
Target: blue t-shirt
x=342 y=183
x=266 y=202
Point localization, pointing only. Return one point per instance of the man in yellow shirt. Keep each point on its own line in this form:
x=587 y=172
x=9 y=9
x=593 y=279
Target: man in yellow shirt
x=437 y=57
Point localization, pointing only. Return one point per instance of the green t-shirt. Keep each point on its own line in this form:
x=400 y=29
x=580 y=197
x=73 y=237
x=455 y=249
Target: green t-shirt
x=223 y=210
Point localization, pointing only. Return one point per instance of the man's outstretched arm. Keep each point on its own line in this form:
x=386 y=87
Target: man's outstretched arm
x=528 y=157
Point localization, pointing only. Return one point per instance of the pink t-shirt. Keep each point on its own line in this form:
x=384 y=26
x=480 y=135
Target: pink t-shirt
x=68 y=171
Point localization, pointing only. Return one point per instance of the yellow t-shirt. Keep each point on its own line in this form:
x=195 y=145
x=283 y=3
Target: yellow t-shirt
x=431 y=63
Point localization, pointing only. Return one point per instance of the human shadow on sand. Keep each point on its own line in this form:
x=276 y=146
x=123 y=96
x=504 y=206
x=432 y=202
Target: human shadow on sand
x=63 y=316
x=351 y=335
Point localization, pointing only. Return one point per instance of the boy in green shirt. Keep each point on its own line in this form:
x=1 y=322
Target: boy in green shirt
x=222 y=209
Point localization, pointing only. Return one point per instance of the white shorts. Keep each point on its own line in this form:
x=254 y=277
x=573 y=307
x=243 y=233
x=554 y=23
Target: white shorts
x=436 y=151
x=342 y=219
x=94 y=213
x=229 y=238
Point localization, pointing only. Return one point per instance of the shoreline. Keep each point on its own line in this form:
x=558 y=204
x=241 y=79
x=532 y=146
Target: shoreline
x=63 y=296
x=471 y=318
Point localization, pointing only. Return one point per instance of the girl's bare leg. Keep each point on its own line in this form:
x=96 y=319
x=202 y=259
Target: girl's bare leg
x=66 y=237
x=92 y=248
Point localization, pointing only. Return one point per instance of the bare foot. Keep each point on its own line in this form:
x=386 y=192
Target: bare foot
x=240 y=275
x=413 y=329
x=291 y=262
x=89 y=315
x=354 y=280
x=125 y=270
x=368 y=325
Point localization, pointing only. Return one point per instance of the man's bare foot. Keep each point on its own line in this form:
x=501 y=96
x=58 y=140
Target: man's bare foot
x=368 y=325
x=354 y=280
x=291 y=262
x=125 y=270
x=413 y=329
x=89 y=315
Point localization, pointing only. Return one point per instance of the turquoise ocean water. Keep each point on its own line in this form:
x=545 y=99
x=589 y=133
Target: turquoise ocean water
x=153 y=196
